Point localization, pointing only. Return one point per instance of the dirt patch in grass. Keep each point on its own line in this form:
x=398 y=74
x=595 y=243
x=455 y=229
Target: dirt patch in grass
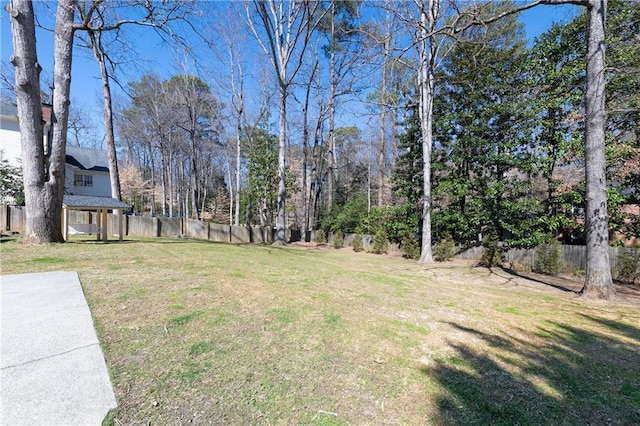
x=211 y=333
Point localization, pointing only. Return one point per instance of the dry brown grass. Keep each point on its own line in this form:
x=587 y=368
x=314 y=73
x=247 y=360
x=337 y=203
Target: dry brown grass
x=211 y=333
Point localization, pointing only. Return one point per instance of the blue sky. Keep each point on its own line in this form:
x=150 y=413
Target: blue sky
x=85 y=90
x=538 y=19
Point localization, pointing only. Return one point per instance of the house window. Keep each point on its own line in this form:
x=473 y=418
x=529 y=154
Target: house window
x=82 y=180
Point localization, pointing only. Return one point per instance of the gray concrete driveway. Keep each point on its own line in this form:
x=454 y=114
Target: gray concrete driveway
x=52 y=370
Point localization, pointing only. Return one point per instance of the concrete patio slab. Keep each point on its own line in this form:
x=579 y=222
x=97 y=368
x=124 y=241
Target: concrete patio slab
x=52 y=369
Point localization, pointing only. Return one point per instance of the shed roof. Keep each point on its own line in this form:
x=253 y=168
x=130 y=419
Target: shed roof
x=88 y=202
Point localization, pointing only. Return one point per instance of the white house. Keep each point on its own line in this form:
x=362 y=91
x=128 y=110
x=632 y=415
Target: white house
x=10 y=133
x=87 y=170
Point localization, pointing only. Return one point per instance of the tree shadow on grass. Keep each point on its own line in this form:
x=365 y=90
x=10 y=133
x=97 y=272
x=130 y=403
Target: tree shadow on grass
x=143 y=241
x=626 y=292
x=557 y=374
x=555 y=282
x=617 y=326
x=98 y=242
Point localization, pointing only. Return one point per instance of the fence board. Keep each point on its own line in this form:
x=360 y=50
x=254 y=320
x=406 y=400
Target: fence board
x=259 y=235
x=169 y=226
x=219 y=232
x=240 y=234
x=196 y=229
x=16 y=218
x=142 y=226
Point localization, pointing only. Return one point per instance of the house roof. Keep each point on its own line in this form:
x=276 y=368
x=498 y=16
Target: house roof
x=8 y=109
x=89 y=202
x=87 y=158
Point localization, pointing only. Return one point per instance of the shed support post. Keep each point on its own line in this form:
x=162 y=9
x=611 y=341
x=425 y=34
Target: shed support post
x=65 y=223
x=98 y=223
x=120 y=227
x=105 y=222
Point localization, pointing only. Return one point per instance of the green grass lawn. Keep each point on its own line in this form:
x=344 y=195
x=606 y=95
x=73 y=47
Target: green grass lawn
x=202 y=332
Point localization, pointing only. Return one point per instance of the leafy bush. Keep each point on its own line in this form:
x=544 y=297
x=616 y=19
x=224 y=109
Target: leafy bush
x=346 y=217
x=338 y=240
x=410 y=247
x=321 y=236
x=548 y=259
x=396 y=221
x=492 y=253
x=380 y=242
x=356 y=243
x=629 y=265
x=444 y=249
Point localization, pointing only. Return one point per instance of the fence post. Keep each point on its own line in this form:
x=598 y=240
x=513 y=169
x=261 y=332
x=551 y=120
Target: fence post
x=6 y=223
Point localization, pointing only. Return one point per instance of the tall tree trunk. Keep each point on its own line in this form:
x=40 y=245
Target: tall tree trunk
x=394 y=137
x=107 y=113
x=383 y=122
x=240 y=112
x=288 y=29
x=238 y=153
x=63 y=54
x=231 y=196
x=305 y=154
x=247 y=218
x=332 y=114
x=44 y=186
x=282 y=190
x=316 y=177
x=152 y=195
x=194 y=184
x=305 y=166
x=428 y=17
x=27 y=78
x=598 y=282
x=171 y=180
x=331 y=154
x=368 y=185
x=164 y=176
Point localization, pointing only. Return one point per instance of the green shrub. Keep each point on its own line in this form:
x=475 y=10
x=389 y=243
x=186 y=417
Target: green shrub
x=345 y=217
x=629 y=265
x=410 y=247
x=548 y=259
x=356 y=243
x=321 y=236
x=396 y=221
x=444 y=249
x=380 y=242
x=492 y=253
x=338 y=240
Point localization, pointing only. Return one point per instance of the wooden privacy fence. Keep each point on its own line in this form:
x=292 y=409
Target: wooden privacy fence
x=574 y=258
x=12 y=218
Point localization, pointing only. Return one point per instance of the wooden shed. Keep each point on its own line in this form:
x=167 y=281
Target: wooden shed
x=102 y=206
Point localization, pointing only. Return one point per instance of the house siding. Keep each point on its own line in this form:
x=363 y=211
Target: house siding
x=101 y=183
x=85 y=161
x=10 y=145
